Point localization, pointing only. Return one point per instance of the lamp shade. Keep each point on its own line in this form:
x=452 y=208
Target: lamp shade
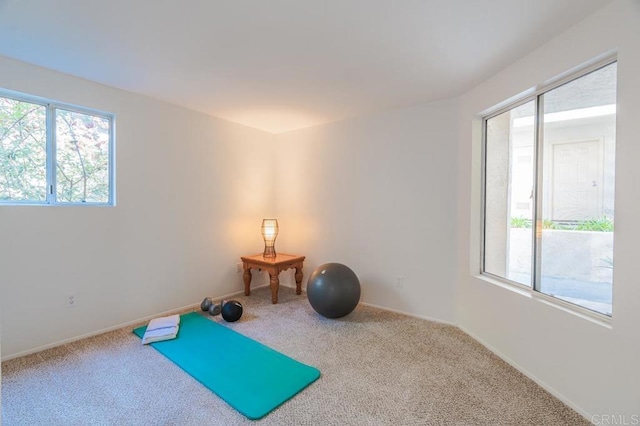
x=269 y=233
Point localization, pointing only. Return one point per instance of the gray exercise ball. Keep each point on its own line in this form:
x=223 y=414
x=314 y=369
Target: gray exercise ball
x=333 y=290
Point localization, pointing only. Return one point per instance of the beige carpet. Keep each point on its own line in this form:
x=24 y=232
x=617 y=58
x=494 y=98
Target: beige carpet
x=378 y=368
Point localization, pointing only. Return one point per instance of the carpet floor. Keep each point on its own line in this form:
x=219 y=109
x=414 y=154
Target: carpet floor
x=378 y=368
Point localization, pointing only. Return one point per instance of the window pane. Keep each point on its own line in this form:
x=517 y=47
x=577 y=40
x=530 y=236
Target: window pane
x=578 y=190
x=509 y=194
x=82 y=157
x=23 y=151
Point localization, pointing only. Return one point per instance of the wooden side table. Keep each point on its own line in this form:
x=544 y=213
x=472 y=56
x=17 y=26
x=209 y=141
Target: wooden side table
x=273 y=265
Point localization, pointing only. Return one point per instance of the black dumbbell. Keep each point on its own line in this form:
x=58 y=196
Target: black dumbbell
x=215 y=308
x=206 y=304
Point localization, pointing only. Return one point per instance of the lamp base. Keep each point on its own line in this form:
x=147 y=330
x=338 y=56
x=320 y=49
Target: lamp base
x=269 y=252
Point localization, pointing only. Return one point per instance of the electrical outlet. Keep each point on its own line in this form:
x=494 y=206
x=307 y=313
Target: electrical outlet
x=238 y=267
x=400 y=282
x=71 y=300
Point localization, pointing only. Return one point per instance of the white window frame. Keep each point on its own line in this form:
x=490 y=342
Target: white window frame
x=533 y=290
x=51 y=163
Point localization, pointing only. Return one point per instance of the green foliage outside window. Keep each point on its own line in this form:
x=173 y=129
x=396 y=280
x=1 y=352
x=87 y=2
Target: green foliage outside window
x=603 y=224
x=81 y=157
x=23 y=151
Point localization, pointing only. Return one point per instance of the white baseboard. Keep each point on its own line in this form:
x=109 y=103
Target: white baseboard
x=409 y=314
x=287 y=285
x=384 y=308
x=115 y=327
x=530 y=375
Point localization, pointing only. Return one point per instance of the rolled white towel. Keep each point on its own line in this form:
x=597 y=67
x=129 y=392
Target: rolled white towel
x=160 y=329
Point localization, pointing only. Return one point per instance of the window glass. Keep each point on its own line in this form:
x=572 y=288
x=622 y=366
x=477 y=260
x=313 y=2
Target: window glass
x=549 y=191
x=53 y=154
x=509 y=194
x=23 y=151
x=578 y=190
x=82 y=157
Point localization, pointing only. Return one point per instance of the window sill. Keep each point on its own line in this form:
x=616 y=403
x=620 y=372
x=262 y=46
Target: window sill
x=33 y=204
x=584 y=313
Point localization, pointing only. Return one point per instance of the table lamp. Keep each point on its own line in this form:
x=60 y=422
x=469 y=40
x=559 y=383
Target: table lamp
x=269 y=233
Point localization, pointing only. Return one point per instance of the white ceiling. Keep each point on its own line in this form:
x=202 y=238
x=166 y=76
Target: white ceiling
x=280 y=65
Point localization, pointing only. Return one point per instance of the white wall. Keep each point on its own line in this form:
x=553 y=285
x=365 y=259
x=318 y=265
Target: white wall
x=376 y=193
x=592 y=367
x=191 y=191
x=394 y=194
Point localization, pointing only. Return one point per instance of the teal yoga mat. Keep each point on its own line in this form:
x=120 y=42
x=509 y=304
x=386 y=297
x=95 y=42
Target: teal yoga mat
x=251 y=377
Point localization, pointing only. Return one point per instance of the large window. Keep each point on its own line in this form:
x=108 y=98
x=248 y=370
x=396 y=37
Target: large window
x=54 y=154
x=549 y=190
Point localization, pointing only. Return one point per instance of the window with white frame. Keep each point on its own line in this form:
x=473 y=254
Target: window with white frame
x=549 y=176
x=52 y=153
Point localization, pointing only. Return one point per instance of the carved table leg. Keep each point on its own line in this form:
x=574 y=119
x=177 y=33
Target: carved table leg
x=275 y=283
x=298 y=279
x=247 y=281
